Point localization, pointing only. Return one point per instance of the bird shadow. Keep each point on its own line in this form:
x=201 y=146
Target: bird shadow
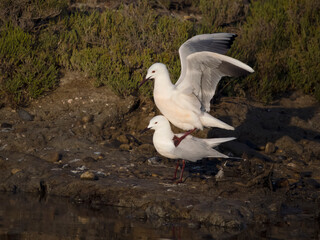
x=260 y=125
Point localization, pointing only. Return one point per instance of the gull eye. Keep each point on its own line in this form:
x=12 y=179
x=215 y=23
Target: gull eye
x=156 y=123
x=153 y=71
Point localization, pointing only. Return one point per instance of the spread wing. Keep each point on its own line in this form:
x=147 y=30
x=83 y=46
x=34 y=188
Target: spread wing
x=204 y=71
x=216 y=42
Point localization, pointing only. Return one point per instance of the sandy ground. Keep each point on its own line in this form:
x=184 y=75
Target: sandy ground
x=84 y=143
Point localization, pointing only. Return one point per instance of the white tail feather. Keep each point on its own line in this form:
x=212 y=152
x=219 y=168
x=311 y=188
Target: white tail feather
x=213 y=142
x=208 y=121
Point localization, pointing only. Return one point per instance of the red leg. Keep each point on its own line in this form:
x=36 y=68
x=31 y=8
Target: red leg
x=181 y=173
x=177 y=140
x=175 y=172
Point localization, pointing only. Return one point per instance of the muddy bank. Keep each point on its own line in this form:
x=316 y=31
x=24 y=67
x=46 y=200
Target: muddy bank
x=83 y=143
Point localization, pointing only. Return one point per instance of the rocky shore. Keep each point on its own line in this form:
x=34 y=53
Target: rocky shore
x=84 y=143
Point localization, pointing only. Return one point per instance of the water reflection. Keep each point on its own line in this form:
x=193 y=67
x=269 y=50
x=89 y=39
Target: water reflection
x=24 y=216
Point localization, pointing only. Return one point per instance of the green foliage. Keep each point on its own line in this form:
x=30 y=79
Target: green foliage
x=26 y=72
x=117 y=47
x=219 y=14
x=27 y=13
x=279 y=38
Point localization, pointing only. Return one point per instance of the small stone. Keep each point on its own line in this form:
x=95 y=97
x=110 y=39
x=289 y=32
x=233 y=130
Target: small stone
x=270 y=148
x=15 y=170
x=53 y=157
x=24 y=115
x=125 y=147
x=87 y=119
x=154 y=161
x=154 y=175
x=101 y=156
x=220 y=174
x=293 y=165
x=122 y=139
x=88 y=176
x=274 y=207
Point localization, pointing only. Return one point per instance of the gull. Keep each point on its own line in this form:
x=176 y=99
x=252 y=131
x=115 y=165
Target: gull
x=190 y=149
x=186 y=104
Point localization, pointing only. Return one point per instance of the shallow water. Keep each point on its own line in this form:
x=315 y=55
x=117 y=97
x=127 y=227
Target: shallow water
x=25 y=216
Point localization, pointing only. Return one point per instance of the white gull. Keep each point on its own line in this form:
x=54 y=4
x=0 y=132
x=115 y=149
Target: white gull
x=190 y=149
x=186 y=103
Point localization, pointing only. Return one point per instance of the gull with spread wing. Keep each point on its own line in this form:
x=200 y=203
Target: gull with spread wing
x=186 y=104
x=190 y=149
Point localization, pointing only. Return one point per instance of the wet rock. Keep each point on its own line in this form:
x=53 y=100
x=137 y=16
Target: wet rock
x=88 y=176
x=270 y=148
x=155 y=211
x=53 y=157
x=24 y=115
x=229 y=215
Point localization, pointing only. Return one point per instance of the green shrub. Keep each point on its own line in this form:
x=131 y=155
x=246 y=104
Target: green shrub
x=117 y=47
x=26 y=72
x=281 y=40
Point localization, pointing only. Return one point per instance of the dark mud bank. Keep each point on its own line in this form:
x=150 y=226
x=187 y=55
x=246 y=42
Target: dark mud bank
x=84 y=143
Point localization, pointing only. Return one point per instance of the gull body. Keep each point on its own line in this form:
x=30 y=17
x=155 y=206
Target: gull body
x=186 y=103
x=191 y=148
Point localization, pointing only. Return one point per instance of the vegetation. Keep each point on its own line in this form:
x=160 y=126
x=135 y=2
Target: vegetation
x=38 y=39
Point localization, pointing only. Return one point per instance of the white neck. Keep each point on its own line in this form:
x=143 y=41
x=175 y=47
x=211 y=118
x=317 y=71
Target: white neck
x=163 y=140
x=162 y=83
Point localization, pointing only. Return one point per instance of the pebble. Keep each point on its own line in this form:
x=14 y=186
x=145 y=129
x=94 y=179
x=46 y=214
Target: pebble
x=270 y=148
x=88 y=176
x=125 y=147
x=15 y=170
x=24 y=115
x=53 y=157
x=154 y=161
x=87 y=118
x=220 y=174
x=123 y=139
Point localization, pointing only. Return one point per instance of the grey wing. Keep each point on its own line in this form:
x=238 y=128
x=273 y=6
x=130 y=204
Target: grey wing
x=204 y=71
x=216 y=42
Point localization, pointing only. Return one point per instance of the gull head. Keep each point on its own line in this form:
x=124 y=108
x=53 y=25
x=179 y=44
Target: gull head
x=158 y=122
x=154 y=71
